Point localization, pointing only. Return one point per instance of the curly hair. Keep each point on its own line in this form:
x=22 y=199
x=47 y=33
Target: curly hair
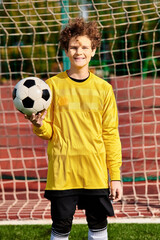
x=78 y=27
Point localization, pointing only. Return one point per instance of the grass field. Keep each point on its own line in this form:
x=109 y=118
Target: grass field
x=79 y=232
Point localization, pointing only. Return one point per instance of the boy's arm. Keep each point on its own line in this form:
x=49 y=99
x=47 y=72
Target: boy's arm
x=112 y=143
x=42 y=122
x=41 y=128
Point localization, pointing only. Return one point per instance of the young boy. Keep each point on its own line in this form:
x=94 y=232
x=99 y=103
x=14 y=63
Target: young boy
x=81 y=126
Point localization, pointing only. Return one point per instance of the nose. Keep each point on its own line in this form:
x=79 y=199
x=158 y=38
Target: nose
x=79 y=50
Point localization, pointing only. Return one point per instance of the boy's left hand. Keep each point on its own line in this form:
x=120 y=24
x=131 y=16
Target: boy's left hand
x=116 y=191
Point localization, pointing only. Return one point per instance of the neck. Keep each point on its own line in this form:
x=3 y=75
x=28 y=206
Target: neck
x=78 y=73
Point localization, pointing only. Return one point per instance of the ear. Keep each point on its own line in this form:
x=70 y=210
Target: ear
x=93 y=52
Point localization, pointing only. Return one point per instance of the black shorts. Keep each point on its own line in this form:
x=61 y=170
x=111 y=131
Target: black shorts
x=97 y=209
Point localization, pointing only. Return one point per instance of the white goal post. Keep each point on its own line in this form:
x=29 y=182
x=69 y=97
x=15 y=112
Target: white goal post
x=129 y=59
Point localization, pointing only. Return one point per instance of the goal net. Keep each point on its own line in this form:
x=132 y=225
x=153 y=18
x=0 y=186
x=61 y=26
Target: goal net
x=129 y=59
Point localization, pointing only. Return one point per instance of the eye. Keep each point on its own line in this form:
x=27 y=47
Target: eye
x=73 y=47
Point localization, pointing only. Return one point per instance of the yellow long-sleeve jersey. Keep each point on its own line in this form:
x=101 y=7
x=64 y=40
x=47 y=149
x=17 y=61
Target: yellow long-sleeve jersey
x=82 y=128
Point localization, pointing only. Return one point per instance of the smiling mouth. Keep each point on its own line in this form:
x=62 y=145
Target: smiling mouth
x=79 y=58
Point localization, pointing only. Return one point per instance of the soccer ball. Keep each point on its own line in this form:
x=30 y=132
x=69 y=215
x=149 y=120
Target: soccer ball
x=31 y=95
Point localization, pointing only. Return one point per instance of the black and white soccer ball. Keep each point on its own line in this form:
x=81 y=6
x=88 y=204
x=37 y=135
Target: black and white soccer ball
x=31 y=95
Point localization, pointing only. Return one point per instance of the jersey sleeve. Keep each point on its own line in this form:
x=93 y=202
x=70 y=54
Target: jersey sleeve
x=111 y=136
x=46 y=130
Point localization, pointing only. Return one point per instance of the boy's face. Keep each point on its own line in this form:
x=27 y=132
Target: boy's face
x=80 y=51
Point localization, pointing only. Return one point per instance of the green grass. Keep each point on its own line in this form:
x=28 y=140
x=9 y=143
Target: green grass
x=79 y=232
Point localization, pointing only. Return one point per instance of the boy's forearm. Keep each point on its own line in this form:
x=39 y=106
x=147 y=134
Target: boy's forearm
x=44 y=132
x=115 y=173
x=113 y=153
x=113 y=166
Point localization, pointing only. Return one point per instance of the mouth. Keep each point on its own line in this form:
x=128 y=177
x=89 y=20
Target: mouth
x=79 y=59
